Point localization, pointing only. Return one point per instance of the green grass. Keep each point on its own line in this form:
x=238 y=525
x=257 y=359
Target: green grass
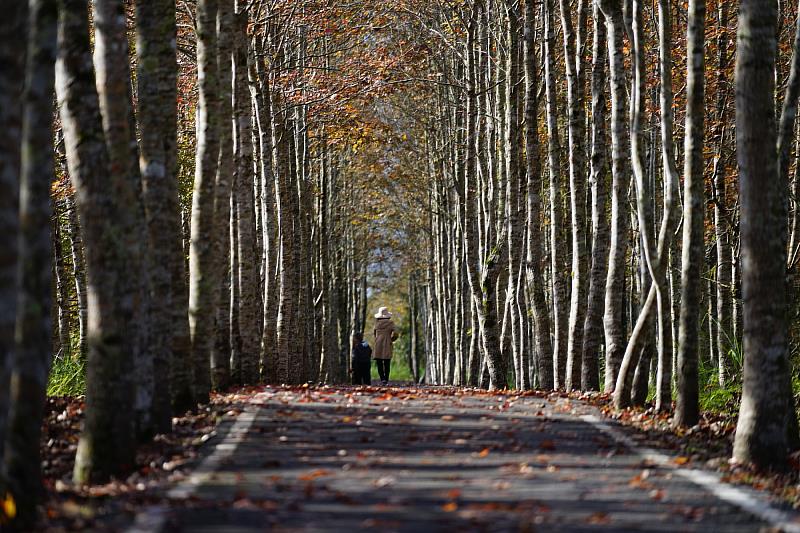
x=398 y=372
x=67 y=377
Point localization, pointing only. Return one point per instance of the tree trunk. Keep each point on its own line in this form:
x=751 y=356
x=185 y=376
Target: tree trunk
x=112 y=64
x=614 y=315
x=573 y=54
x=202 y=263
x=32 y=350
x=107 y=442
x=225 y=354
x=249 y=329
x=558 y=260
x=761 y=432
x=535 y=249
x=687 y=408
x=593 y=325
x=157 y=92
x=61 y=282
x=79 y=274
x=13 y=32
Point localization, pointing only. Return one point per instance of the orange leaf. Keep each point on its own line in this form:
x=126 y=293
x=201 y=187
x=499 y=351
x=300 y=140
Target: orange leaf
x=314 y=474
x=450 y=507
x=9 y=507
x=682 y=460
x=454 y=494
x=598 y=518
x=484 y=452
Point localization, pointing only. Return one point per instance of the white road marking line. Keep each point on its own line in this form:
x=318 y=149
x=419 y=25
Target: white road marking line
x=745 y=498
x=154 y=518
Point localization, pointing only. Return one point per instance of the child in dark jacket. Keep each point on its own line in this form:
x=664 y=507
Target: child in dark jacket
x=362 y=360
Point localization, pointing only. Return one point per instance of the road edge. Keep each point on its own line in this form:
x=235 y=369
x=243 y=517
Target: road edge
x=747 y=499
x=154 y=518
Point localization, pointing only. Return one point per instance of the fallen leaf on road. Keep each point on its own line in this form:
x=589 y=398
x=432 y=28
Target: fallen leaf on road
x=314 y=474
x=547 y=445
x=598 y=518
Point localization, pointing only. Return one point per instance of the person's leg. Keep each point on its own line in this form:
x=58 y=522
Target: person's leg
x=366 y=370
x=388 y=367
x=363 y=371
x=382 y=369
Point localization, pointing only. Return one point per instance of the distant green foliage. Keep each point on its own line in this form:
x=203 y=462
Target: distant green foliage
x=399 y=370
x=67 y=377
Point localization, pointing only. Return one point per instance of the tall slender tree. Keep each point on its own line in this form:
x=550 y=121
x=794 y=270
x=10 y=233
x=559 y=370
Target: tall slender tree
x=13 y=32
x=157 y=116
x=202 y=269
x=107 y=443
x=613 y=317
x=687 y=409
x=32 y=350
x=761 y=431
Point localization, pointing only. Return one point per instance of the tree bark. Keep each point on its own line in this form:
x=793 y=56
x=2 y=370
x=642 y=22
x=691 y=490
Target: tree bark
x=225 y=361
x=687 y=408
x=761 y=431
x=13 y=41
x=203 y=276
x=593 y=325
x=32 y=351
x=535 y=249
x=557 y=258
x=573 y=57
x=111 y=59
x=107 y=443
x=249 y=329
x=614 y=315
x=156 y=78
x=79 y=274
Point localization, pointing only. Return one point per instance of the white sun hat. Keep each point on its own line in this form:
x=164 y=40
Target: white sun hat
x=383 y=312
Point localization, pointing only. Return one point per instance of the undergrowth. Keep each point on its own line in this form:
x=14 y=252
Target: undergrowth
x=67 y=377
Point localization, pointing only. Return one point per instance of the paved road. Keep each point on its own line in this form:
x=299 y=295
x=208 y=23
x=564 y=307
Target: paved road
x=397 y=460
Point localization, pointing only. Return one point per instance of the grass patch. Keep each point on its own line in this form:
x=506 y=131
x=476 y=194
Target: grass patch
x=399 y=370
x=67 y=377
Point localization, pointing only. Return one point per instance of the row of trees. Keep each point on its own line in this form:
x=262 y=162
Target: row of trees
x=194 y=227
x=225 y=174
x=564 y=252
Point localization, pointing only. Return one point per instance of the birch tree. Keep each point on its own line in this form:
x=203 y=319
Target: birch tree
x=762 y=428
x=32 y=349
x=13 y=49
x=107 y=443
x=202 y=269
x=687 y=409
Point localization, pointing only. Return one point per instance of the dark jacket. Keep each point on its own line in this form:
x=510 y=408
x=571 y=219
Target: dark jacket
x=362 y=353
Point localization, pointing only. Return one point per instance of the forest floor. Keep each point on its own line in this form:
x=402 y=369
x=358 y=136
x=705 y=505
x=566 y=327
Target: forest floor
x=419 y=459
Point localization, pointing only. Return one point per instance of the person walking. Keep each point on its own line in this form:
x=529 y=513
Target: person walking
x=385 y=334
x=362 y=360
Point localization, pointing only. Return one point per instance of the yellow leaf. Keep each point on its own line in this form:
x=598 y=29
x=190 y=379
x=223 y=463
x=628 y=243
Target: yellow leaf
x=682 y=460
x=9 y=507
